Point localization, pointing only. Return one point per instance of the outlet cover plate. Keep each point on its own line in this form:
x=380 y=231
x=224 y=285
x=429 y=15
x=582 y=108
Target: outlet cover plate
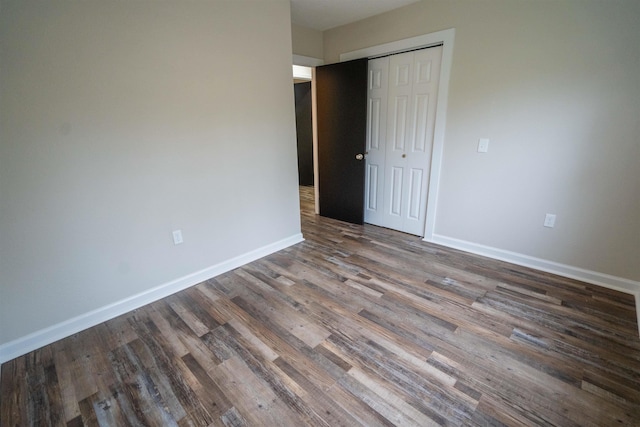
x=483 y=145
x=550 y=220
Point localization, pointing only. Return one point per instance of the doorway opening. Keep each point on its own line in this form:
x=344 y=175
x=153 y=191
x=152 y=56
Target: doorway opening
x=304 y=71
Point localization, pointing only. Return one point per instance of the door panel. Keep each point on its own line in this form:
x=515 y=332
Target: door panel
x=425 y=94
x=404 y=156
x=371 y=184
x=341 y=91
x=415 y=189
x=422 y=112
x=376 y=138
x=396 y=191
x=374 y=124
x=399 y=123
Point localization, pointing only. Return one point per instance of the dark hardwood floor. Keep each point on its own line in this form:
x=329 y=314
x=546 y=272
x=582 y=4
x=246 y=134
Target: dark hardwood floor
x=355 y=326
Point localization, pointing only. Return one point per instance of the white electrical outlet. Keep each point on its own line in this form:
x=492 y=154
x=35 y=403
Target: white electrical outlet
x=177 y=237
x=483 y=145
x=550 y=220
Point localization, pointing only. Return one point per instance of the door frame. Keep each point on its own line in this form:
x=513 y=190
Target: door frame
x=446 y=39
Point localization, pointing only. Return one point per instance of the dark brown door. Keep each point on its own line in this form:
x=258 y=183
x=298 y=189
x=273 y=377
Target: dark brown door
x=304 y=132
x=341 y=91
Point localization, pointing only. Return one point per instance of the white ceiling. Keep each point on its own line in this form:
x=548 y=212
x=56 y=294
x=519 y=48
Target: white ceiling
x=325 y=14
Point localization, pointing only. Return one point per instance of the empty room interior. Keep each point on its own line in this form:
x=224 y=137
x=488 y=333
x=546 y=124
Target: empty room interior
x=463 y=250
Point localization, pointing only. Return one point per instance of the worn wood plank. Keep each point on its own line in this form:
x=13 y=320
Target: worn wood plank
x=139 y=392
x=14 y=397
x=68 y=397
x=256 y=402
x=173 y=368
x=328 y=410
x=217 y=402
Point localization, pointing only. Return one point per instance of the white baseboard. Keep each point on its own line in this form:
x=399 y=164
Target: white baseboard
x=46 y=336
x=605 y=280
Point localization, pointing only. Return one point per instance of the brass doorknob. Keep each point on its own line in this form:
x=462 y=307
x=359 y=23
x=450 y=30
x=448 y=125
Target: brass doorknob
x=359 y=157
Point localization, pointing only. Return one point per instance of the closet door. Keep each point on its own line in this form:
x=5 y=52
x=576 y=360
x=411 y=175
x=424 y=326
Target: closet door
x=411 y=97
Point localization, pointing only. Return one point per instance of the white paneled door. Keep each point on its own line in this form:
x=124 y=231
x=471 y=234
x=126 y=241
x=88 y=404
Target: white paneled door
x=401 y=111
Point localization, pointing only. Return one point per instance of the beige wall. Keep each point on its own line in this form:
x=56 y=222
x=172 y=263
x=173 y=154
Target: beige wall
x=122 y=121
x=306 y=41
x=555 y=86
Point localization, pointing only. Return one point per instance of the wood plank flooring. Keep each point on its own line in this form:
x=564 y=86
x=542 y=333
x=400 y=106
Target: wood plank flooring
x=355 y=326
